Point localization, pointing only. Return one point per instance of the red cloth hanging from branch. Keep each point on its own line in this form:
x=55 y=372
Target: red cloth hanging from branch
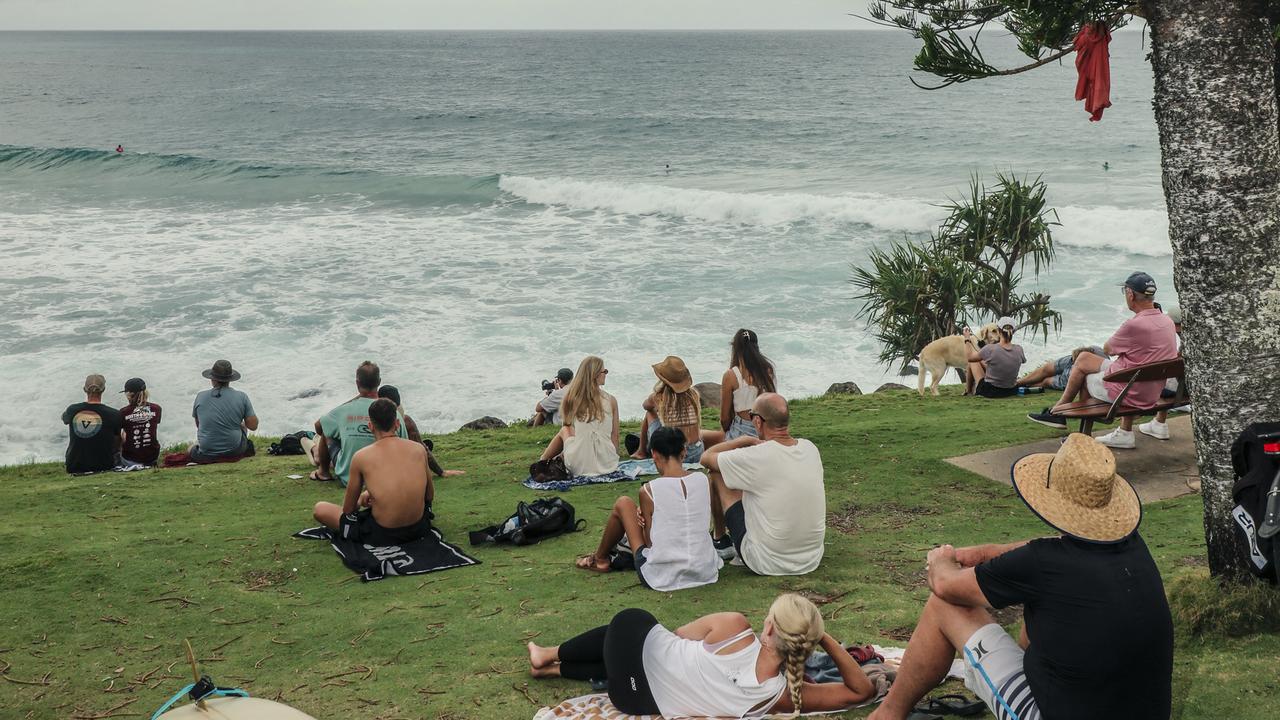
x=1093 y=65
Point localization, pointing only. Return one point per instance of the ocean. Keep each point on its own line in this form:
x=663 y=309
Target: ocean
x=474 y=210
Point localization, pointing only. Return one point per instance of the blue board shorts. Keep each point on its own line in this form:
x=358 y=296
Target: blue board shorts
x=993 y=671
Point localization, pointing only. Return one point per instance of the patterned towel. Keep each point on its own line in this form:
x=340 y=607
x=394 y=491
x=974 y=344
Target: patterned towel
x=428 y=554
x=627 y=470
x=598 y=707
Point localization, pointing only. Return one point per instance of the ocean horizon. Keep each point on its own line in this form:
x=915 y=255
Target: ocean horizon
x=473 y=210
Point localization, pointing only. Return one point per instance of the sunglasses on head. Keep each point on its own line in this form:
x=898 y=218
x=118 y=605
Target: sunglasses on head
x=753 y=415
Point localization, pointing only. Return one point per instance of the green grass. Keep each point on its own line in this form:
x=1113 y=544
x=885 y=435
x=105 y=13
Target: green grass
x=104 y=575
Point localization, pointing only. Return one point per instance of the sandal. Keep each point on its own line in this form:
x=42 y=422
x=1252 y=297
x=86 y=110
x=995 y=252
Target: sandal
x=315 y=475
x=592 y=563
x=957 y=705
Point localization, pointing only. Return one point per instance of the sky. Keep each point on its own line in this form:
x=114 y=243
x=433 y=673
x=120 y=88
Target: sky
x=430 y=14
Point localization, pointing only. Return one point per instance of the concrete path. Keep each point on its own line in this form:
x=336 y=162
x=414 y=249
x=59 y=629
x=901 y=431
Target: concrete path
x=1158 y=469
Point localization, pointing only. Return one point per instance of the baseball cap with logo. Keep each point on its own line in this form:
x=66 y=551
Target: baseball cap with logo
x=95 y=384
x=1141 y=283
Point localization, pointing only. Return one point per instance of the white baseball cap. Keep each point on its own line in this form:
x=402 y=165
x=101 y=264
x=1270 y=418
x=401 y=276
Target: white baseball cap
x=1006 y=321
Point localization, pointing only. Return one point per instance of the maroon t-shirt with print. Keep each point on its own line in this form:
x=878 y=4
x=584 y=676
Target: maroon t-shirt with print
x=141 y=444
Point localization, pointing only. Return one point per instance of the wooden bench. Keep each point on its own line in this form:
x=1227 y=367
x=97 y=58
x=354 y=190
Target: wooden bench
x=1093 y=410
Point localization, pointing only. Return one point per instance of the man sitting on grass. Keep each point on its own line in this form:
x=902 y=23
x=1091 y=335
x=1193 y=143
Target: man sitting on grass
x=388 y=500
x=1097 y=639
x=345 y=429
x=769 y=494
x=1146 y=337
x=93 y=430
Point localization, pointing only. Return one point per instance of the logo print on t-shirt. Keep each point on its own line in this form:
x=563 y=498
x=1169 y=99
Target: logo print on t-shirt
x=86 y=423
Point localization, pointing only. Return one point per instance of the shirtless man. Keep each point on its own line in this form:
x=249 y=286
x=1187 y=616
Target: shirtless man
x=388 y=500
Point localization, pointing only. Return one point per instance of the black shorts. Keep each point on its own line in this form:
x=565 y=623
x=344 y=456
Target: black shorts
x=987 y=390
x=360 y=527
x=735 y=521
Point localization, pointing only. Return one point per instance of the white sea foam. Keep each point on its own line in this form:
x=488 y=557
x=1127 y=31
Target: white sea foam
x=1138 y=231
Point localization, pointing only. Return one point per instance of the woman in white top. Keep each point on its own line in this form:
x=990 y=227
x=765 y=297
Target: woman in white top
x=589 y=438
x=667 y=530
x=749 y=375
x=715 y=666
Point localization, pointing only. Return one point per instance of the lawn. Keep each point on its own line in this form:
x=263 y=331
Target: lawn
x=105 y=575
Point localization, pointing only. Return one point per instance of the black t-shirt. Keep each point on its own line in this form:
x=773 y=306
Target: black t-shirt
x=93 y=429
x=1099 y=625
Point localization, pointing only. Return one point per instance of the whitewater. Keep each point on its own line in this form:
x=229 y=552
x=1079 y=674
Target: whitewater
x=298 y=203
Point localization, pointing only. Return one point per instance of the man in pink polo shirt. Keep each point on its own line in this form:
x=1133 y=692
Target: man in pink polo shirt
x=1146 y=337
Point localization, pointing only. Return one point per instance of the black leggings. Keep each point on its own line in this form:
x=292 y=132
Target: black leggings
x=614 y=653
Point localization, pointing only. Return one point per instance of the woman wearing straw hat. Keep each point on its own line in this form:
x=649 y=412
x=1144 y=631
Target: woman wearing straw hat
x=1097 y=640
x=673 y=403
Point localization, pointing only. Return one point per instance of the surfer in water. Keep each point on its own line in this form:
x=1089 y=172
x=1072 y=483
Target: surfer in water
x=120 y=148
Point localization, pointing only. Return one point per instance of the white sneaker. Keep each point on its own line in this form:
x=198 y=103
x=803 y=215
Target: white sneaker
x=1155 y=429
x=1119 y=438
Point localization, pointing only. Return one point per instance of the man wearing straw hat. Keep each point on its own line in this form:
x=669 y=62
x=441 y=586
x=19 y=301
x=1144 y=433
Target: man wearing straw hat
x=224 y=417
x=1097 y=639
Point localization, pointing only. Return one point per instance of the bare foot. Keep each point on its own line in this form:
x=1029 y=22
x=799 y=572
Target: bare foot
x=594 y=563
x=637 y=455
x=541 y=657
x=452 y=473
x=547 y=672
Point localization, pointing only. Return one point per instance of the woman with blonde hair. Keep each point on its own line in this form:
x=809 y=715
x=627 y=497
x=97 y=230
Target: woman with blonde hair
x=716 y=666
x=750 y=375
x=589 y=438
x=673 y=403
x=141 y=420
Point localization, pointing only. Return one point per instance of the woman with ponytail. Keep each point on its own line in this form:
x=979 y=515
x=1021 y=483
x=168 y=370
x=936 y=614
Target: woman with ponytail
x=750 y=375
x=995 y=367
x=716 y=666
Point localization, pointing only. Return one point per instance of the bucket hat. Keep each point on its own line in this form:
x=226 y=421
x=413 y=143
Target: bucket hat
x=222 y=372
x=1077 y=491
x=673 y=372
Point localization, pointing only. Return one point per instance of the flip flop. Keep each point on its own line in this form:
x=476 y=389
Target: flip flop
x=593 y=566
x=957 y=705
x=315 y=475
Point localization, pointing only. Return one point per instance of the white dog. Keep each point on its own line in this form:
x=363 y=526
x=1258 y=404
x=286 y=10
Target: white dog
x=949 y=352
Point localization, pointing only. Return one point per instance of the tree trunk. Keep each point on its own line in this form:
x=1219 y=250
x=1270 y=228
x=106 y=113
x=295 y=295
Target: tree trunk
x=1215 y=107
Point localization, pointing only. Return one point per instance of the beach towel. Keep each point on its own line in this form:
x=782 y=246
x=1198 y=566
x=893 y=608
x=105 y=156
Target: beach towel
x=627 y=470
x=598 y=707
x=429 y=554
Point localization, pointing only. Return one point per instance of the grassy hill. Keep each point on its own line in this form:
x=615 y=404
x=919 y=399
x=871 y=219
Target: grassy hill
x=104 y=575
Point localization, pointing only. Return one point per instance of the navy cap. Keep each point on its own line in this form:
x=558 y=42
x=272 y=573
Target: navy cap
x=134 y=385
x=1141 y=283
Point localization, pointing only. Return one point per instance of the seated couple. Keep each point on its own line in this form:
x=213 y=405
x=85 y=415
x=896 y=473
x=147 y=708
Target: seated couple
x=389 y=496
x=667 y=529
x=344 y=430
x=716 y=666
x=1097 y=636
x=1149 y=336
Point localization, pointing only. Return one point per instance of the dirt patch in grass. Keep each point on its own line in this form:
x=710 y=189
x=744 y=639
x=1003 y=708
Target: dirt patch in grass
x=909 y=573
x=263 y=579
x=854 y=517
x=902 y=633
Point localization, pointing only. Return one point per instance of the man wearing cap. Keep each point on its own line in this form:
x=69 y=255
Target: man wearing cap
x=93 y=430
x=1097 y=636
x=224 y=417
x=995 y=367
x=1146 y=337
x=548 y=408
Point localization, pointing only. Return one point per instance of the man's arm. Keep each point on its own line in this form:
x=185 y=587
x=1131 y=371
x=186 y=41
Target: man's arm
x=250 y=417
x=411 y=429
x=975 y=555
x=355 y=484
x=951 y=582
x=426 y=467
x=251 y=423
x=711 y=457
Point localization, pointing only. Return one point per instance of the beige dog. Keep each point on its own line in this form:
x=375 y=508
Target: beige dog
x=949 y=352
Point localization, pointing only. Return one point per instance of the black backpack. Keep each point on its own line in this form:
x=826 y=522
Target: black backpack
x=1255 y=457
x=290 y=444
x=532 y=522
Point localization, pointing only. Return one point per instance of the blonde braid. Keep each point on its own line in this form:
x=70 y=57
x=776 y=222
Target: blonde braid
x=797 y=630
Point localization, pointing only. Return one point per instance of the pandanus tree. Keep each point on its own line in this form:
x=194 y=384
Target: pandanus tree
x=1216 y=112
x=968 y=270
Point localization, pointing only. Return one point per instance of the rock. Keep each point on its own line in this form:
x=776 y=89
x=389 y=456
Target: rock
x=709 y=392
x=309 y=393
x=909 y=371
x=892 y=386
x=844 y=388
x=488 y=422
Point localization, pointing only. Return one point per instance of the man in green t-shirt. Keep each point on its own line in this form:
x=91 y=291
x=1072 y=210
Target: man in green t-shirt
x=345 y=429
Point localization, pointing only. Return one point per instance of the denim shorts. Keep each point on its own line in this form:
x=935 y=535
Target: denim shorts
x=739 y=428
x=692 y=452
x=1062 y=371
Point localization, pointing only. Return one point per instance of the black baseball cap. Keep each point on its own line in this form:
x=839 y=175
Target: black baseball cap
x=565 y=375
x=1141 y=283
x=390 y=392
x=134 y=385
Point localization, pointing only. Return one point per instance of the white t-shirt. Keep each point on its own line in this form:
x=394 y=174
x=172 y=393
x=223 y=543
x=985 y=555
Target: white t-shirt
x=551 y=404
x=784 y=504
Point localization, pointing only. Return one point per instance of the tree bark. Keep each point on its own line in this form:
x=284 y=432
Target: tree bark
x=1215 y=107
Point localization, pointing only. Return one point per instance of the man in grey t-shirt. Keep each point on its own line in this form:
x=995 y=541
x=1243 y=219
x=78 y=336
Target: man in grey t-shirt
x=548 y=408
x=224 y=416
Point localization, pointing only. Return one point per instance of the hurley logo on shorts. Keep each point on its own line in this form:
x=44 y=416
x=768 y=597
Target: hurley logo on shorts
x=979 y=651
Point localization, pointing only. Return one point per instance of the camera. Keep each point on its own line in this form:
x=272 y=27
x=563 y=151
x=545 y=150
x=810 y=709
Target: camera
x=548 y=386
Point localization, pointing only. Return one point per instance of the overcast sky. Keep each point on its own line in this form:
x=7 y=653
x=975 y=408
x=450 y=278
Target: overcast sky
x=429 y=14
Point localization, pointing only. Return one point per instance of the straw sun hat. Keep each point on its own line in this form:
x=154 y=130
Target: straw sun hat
x=1077 y=491
x=673 y=372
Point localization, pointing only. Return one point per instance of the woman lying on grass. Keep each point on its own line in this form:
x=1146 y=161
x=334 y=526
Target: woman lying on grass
x=716 y=666
x=667 y=530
